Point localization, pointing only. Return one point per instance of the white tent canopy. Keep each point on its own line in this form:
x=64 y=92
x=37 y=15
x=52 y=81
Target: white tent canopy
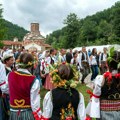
x=99 y=48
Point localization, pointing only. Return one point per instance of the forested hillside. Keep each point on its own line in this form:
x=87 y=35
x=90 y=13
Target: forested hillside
x=8 y=30
x=13 y=30
x=100 y=28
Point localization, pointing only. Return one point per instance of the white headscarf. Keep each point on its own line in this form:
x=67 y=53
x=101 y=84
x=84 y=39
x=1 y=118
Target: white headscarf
x=43 y=55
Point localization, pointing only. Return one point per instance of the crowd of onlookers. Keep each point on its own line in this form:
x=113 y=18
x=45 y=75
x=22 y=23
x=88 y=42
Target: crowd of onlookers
x=23 y=72
x=86 y=61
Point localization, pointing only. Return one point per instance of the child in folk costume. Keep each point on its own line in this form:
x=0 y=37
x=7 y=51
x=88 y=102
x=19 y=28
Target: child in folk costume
x=105 y=99
x=64 y=102
x=24 y=91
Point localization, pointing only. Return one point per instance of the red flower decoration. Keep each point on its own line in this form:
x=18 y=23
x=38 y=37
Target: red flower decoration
x=63 y=63
x=88 y=118
x=47 y=64
x=117 y=76
x=69 y=118
x=108 y=75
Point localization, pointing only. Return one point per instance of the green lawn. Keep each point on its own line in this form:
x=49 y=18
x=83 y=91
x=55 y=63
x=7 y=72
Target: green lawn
x=81 y=88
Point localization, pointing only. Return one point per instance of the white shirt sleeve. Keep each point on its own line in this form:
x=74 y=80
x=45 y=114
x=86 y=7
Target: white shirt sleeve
x=88 y=59
x=3 y=80
x=72 y=60
x=35 y=97
x=81 y=108
x=47 y=106
x=80 y=60
x=100 y=58
x=93 y=107
x=5 y=87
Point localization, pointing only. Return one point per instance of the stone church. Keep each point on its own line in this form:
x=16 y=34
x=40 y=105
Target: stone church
x=34 y=41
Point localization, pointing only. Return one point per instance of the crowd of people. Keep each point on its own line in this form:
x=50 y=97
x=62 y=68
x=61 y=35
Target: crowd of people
x=23 y=73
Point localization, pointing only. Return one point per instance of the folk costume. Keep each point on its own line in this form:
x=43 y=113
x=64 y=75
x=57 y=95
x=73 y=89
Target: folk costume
x=64 y=102
x=3 y=111
x=84 y=64
x=103 y=62
x=24 y=90
x=105 y=99
x=48 y=82
x=4 y=93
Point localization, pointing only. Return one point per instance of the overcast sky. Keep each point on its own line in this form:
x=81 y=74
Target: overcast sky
x=50 y=13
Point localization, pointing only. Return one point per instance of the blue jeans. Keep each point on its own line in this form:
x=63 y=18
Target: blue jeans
x=94 y=69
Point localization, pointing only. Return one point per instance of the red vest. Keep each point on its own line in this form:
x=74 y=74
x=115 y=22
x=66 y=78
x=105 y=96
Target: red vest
x=19 y=88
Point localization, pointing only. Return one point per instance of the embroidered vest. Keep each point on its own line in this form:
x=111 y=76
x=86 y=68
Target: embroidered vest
x=19 y=87
x=61 y=99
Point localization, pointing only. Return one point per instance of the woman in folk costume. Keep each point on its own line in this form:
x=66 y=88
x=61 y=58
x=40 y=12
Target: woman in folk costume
x=24 y=91
x=64 y=102
x=43 y=70
x=105 y=99
x=50 y=60
x=75 y=60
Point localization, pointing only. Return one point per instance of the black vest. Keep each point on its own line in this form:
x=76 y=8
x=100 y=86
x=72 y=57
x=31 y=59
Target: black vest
x=83 y=56
x=102 y=56
x=61 y=98
x=111 y=92
x=52 y=61
x=7 y=71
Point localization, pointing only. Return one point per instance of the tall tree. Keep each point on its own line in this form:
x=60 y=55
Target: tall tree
x=2 y=30
x=104 y=30
x=116 y=21
x=72 y=23
x=88 y=29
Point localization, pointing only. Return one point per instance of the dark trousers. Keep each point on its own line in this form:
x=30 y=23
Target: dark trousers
x=85 y=71
x=103 y=67
x=4 y=108
x=94 y=69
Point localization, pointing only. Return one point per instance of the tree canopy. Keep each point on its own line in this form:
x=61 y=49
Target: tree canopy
x=100 y=28
x=8 y=30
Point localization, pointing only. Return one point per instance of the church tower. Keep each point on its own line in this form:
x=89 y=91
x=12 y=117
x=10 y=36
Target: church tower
x=35 y=28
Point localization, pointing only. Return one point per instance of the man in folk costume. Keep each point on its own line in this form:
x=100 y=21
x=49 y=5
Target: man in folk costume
x=24 y=90
x=8 y=61
x=103 y=61
x=105 y=99
x=64 y=102
x=84 y=63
